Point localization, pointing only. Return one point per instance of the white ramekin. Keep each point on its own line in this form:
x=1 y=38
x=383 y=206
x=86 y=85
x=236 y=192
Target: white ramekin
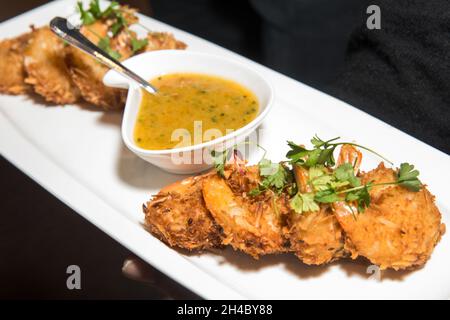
x=152 y=64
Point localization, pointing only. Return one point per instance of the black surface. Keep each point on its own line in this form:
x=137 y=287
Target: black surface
x=40 y=237
x=399 y=74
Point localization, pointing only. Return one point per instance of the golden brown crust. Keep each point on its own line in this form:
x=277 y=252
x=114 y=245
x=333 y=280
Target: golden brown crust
x=12 y=66
x=46 y=68
x=178 y=216
x=163 y=41
x=87 y=74
x=400 y=228
x=252 y=225
x=316 y=237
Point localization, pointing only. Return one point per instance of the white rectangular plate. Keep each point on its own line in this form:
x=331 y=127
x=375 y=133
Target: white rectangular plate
x=77 y=155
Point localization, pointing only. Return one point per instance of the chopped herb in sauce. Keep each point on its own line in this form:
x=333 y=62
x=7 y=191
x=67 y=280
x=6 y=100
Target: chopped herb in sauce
x=183 y=99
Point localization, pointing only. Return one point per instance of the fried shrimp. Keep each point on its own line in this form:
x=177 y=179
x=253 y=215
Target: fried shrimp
x=87 y=73
x=11 y=64
x=316 y=236
x=399 y=229
x=250 y=224
x=316 y=208
x=178 y=216
x=163 y=41
x=46 y=69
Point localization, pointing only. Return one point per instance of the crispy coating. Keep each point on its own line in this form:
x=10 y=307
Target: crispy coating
x=12 y=66
x=399 y=229
x=46 y=69
x=316 y=237
x=250 y=224
x=87 y=73
x=177 y=215
x=163 y=41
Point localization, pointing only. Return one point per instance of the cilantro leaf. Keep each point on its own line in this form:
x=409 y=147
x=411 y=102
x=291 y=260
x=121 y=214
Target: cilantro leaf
x=94 y=8
x=319 y=178
x=345 y=172
x=118 y=24
x=317 y=142
x=138 y=44
x=304 y=202
x=361 y=196
x=275 y=174
x=326 y=156
x=86 y=16
x=321 y=154
x=407 y=177
x=327 y=196
x=105 y=45
x=313 y=157
x=296 y=153
x=219 y=159
x=112 y=9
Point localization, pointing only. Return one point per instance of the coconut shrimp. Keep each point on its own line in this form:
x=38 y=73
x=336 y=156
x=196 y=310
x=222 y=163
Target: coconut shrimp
x=178 y=216
x=316 y=237
x=399 y=229
x=46 y=70
x=87 y=73
x=250 y=224
x=12 y=65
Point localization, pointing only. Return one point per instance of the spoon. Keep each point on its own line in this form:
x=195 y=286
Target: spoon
x=66 y=31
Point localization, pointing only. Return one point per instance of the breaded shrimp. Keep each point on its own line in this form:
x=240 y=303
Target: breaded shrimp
x=87 y=73
x=399 y=229
x=46 y=69
x=250 y=224
x=12 y=66
x=163 y=41
x=316 y=237
x=178 y=216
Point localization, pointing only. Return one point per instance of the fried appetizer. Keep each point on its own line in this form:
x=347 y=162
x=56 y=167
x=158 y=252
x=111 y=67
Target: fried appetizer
x=110 y=31
x=12 y=67
x=318 y=208
x=399 y=229
x=87 y=73
x=250 y=224
x=178 y=216
x=163 y=41
x=46 y=69
x=315 y=236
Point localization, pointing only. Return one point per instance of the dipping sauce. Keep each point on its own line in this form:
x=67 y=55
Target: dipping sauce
x=190 y=109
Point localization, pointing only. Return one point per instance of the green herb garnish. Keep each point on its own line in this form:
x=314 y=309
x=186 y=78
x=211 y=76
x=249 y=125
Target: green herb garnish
x=138 y=44
x=304 y=202
x=407 y=177
x=219 y=160
x=105 y=45
x=86 y=16
x=321 y=154
x=275 y=177
x=325 y=185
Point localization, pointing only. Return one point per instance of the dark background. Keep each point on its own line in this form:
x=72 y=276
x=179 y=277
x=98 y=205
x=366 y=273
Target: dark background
x=400 y=74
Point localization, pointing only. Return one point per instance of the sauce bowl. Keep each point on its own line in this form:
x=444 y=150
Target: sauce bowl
x=149 y=65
